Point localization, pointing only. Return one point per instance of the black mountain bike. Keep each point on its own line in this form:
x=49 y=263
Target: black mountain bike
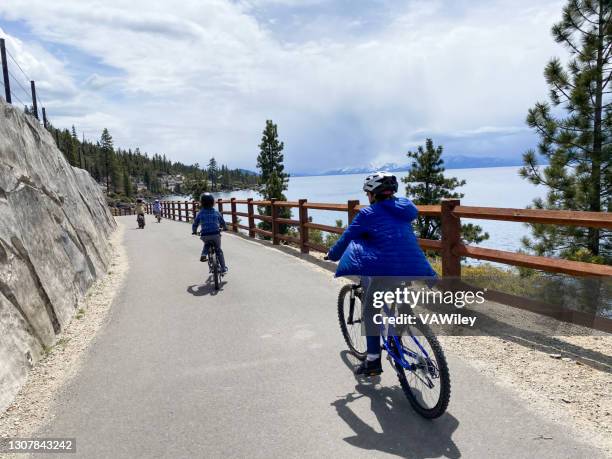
x=415 y=354
x=214 y=265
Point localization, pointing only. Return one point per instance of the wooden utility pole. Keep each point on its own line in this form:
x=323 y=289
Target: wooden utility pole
x=34 y=104
x=5 y=74
x=44 y=113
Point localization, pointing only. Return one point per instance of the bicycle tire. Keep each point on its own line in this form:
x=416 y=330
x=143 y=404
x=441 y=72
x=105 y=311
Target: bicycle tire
x=444 y=377
x=215 y=267
x=350 y=338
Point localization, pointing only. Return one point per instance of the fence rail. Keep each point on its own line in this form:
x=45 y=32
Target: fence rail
x=450 y=212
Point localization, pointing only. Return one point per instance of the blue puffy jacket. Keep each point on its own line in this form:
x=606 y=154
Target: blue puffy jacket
x=380 y=242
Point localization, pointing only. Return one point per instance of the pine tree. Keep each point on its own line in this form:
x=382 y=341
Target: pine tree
x=106 y=146
x=273 y=178
x=213 y=172
x=127 y=184
x=74 y=148
x=426 y=185
x=271 y=157
x=578 y=146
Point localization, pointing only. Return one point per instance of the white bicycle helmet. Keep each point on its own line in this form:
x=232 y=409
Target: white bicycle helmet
x=380 y=183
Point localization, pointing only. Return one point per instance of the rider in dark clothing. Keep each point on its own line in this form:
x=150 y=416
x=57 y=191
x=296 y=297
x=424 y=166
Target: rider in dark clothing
x=211 y=222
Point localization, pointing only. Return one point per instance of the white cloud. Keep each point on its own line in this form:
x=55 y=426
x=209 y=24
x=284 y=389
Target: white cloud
x=199 y=78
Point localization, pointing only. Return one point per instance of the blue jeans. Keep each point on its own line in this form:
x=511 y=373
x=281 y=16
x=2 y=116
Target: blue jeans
x=372 y=330
x=216 y=239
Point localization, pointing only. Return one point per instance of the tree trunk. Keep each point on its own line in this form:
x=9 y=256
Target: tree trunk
x=595 y=195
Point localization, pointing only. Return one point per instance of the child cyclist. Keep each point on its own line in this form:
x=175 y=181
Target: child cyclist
x=157 y=208
x=211 y=222
x=379 y=242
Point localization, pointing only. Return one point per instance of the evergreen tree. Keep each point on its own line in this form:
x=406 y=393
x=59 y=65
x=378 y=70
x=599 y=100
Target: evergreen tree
x=273 y=178
x=74 y=148
x=106 y=146
x=213 y=172
x=271 y=158
x=578 y=146
x=127 y=184
x=426 y=185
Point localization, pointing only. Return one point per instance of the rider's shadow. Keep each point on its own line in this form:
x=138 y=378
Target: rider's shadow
x=205 y=289
x=404 y=432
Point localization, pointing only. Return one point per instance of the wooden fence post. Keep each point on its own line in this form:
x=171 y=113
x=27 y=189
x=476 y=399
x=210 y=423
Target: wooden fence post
x=251 y=212
x=303 y=213
x=234 y=216
x=274 y=214
x=173 y=210
x=220 y=206
x=180 y=215
x=193 y=209
x=352 y=209
x=187 y=211
x=451 y=238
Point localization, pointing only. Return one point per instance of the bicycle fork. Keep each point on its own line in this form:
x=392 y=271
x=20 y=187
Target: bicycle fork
x=350 y=320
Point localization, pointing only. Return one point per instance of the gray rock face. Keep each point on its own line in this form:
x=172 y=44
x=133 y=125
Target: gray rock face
x=54 y=233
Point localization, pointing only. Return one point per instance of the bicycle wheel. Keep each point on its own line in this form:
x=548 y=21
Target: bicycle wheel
x=350 y=316
x=215 y=265
x=427 y=385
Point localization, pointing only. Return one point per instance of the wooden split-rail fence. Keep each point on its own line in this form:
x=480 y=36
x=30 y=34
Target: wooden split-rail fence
x=450 y=212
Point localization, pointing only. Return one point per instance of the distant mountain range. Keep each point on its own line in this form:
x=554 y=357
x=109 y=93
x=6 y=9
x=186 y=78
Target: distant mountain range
x=451 y=162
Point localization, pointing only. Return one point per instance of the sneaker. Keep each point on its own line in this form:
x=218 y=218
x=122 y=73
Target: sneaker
x=224 y=271
x=203 y=258
x=369 y=368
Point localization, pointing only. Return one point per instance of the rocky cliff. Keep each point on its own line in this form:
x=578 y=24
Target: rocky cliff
x=54 y=232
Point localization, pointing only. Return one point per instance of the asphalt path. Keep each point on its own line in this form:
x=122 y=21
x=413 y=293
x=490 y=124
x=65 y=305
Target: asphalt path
x=259 y=369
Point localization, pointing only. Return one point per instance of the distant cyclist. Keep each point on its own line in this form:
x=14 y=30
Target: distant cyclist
x=379 y=242
x=156 y=207
x=211 y=222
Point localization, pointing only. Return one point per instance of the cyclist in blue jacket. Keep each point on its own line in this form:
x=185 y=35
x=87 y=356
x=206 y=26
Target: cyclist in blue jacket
x=380 y=242
x=211 y=222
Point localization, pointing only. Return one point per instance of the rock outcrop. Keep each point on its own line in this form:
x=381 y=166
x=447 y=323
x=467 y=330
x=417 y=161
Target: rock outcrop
x=54 y=243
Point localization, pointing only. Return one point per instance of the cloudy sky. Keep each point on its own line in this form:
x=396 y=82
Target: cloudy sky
x=349 y=82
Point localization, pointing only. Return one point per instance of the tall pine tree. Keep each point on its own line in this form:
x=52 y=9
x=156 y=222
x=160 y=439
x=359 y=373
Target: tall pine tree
x=106 y=145
x=213 y=172
x=274 y=180
x=576 y=146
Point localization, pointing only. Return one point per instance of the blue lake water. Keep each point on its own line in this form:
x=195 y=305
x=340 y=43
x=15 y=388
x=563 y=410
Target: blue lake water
x=490 y=187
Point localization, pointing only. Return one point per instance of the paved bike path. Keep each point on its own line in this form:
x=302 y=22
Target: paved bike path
x=257 y=370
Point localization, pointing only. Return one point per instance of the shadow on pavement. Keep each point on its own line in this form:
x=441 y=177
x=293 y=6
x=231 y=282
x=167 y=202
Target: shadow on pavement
x=205 y=289
x=404 y=432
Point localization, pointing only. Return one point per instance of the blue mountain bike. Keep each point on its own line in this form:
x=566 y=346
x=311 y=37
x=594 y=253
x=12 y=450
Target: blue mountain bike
x=414 y=353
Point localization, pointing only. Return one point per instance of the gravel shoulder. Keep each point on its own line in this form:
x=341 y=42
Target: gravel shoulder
x=34 y=403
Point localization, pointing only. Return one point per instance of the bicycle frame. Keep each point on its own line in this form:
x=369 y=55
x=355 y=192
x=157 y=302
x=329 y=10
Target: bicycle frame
x=389 y=332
